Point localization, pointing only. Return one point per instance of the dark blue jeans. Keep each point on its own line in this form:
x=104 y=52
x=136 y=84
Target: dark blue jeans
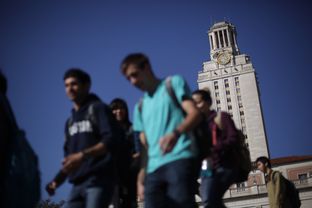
x=213 y=187
x=90 y=195
x=173 y=185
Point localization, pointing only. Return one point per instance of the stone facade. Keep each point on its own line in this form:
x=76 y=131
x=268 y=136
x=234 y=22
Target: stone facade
x=231 y=79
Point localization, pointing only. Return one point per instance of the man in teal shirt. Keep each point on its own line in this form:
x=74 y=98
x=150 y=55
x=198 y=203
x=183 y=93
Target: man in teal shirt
x=172 y=166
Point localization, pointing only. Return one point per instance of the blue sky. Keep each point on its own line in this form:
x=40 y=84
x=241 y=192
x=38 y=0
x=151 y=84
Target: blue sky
x=39 y=40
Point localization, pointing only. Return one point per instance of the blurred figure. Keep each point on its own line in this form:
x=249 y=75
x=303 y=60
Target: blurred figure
x=19 y=176
x=88 y=148
x=218 y=171
x=171 y=166
x=125 y=196
x=5 y=113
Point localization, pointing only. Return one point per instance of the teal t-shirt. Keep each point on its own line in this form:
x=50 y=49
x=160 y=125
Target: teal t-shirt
x=160 y=116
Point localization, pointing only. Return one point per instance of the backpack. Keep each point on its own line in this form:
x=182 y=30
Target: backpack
x=291 y=192
x=22 y=177
x=201 y=131
x=239 y=153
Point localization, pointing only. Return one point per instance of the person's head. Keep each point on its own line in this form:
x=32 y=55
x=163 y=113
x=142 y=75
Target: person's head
x=263 y=164
x=137 y=69
x=202 y=100
x=120 y=110
x=3 y=83
x=77 y=84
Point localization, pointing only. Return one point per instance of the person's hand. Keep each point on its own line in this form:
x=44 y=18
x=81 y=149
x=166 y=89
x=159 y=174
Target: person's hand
x=140 y=184
x=72 y=162
x=140 y=190
x=51 y=187
x=168 y=142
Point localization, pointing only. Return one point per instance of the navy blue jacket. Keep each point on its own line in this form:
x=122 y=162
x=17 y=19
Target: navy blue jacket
x=83 y=131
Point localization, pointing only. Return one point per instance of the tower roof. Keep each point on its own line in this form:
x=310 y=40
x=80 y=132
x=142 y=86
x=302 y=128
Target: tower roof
x=220 y=24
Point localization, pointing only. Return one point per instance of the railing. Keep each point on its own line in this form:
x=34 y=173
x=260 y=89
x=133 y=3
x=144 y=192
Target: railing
x=261 y=189
x=255 y=190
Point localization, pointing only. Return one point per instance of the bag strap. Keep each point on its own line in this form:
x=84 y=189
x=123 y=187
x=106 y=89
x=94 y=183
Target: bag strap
x=214 y=134
x=140 y=105
x=217 y=120
x=172 y=94
x=90 y=116
x=273 y=174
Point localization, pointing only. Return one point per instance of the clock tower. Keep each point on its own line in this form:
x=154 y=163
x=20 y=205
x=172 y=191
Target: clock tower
x=231 y=79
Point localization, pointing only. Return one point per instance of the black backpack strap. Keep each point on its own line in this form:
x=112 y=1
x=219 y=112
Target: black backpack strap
x=140 y=105
x=273 y=175
x=172 y=94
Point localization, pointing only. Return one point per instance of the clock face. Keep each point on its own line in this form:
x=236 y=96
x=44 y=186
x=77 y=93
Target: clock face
x=224 y=58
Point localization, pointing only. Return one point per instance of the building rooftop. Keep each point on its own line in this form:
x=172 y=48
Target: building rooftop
x=290 y=159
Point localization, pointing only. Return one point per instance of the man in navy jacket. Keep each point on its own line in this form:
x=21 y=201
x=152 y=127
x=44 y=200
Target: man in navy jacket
x=88 y=161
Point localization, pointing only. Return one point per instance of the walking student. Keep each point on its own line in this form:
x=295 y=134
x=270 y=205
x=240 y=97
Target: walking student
x=171 y=170
x=125 y=195
x=88 y=161
x=218 y=172
x=275 y=184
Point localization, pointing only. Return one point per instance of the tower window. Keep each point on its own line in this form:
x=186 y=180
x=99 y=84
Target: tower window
x=226 y=38
x=211 y=41
x=221 y=38
x=232 y=37
x=227 y=92
x=217 y=39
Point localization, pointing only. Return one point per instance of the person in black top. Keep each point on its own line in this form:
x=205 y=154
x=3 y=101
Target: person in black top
x=19 y=172
x=88 y=162
x=125 y=195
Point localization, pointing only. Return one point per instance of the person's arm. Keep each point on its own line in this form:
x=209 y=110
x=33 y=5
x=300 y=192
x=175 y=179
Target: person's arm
x=73 y=161
x=141 y=174
x=104 y=127
x=277 y=191
x=56 y=182
x=192 y=115
x=192 y=118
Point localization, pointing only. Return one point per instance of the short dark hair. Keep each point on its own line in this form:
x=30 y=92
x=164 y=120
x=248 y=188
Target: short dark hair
x=79 y=74
x=3 y=83
x=139 y=60
x=264 y=160
x=205 y=94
